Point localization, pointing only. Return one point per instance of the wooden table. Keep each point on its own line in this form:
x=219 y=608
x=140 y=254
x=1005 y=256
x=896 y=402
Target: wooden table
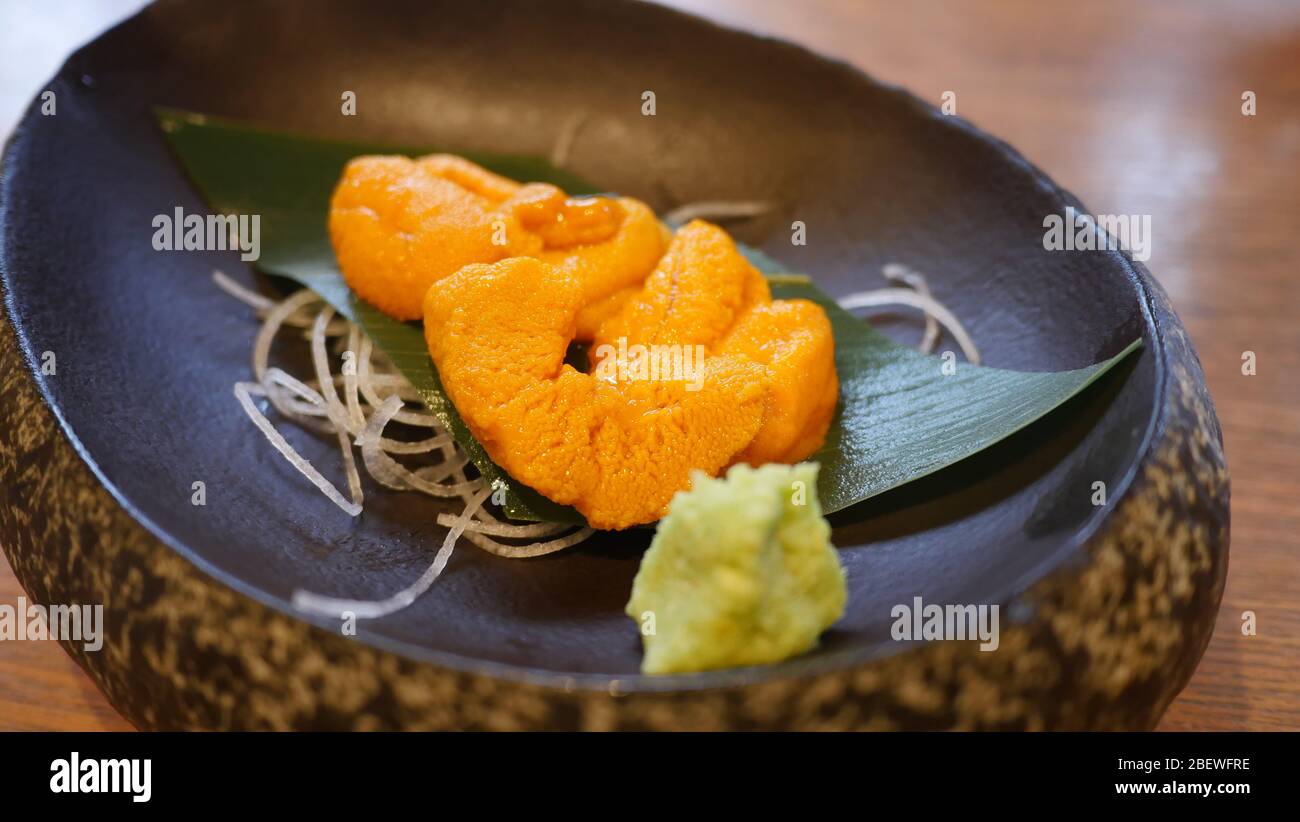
x=1136 y=108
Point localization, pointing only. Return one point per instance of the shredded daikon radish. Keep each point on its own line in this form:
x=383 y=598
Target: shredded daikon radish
x=716 y=210
x=389 y=472
x=369 y=384
x=373 y=395
x=294 y=399
x=263 y=305
x=356 y=420
x=245 y=391
x=921 y=299
x=338 y=414
x=271 y=326
x=532 y=549
x=902 y=275
x=246 y=296
x=419 y=447
x=373 y=609
x=449 y=467
x=495 y=527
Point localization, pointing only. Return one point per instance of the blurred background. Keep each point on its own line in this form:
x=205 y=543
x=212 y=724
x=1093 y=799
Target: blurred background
x=1133 y=105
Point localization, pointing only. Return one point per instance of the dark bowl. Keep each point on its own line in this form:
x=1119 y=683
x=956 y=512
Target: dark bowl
x=1105 y=609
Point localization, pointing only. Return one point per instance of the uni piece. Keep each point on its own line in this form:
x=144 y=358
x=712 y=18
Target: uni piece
x=400 y=225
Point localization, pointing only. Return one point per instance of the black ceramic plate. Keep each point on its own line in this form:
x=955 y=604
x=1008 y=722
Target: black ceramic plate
x=97 y=460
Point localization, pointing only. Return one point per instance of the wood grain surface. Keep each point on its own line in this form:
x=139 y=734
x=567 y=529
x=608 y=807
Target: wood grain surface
x=1136 y=107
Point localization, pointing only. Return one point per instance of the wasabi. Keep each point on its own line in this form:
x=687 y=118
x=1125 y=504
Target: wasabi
x=741 y=572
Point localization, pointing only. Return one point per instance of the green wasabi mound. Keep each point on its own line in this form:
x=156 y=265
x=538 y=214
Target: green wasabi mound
x=741 y=572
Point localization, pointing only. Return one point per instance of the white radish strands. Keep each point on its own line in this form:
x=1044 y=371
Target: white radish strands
x=373 y=609
x=715 y=210
x=901 y=275
x=920 y=298
x=244 y=391
x=374 y=394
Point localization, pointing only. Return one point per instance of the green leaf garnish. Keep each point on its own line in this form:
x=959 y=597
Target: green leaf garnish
x=900 y=417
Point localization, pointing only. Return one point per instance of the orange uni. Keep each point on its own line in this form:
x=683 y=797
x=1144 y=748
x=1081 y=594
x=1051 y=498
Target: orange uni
x=399 y=225
x=615 y=450
x=705 y=292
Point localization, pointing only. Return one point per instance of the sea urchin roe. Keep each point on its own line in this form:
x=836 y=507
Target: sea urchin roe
x=741 y=572
x=616 y=451
x=399 y=225
x=704 y=292
x=695 y=294
x=562 y=221
x=793 y=339
x=612 y=271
